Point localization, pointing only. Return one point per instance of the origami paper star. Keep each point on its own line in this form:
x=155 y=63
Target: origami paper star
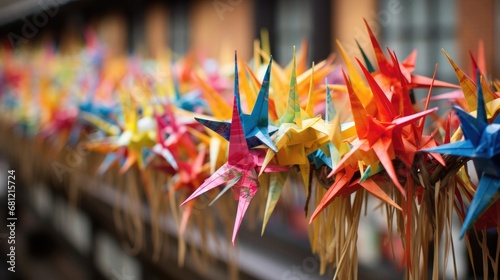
x=98 y=115
x=469 y=88
x=218 y=106
x=190 y=174
x=218 y=147
x=185 y=97
x=346 y=183
x=297 y=137
x=62 y=122
x=256 y=125
x=330 y=153
x=388 y=72
x=482 y=144
x=137 y=135
x=388 y=77
x=92 y=112
x=55 y=121
x=190 y=101
x=239 y=173
x=378 y=137
x=282 y=76
x=172 y=137
x=467 y=85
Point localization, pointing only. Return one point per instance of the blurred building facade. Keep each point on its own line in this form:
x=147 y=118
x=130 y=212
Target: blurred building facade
x=219 y=26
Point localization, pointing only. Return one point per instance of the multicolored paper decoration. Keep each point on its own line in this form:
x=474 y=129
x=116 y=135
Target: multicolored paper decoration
x=482 y=145
x=177 y=132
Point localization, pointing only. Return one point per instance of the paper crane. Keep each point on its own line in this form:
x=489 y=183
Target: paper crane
x=482 y=144
x=239 y=173
x=256 y=125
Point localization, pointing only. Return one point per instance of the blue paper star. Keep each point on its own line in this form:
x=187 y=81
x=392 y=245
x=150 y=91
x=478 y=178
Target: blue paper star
x=256 y=125
x=482 y=144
